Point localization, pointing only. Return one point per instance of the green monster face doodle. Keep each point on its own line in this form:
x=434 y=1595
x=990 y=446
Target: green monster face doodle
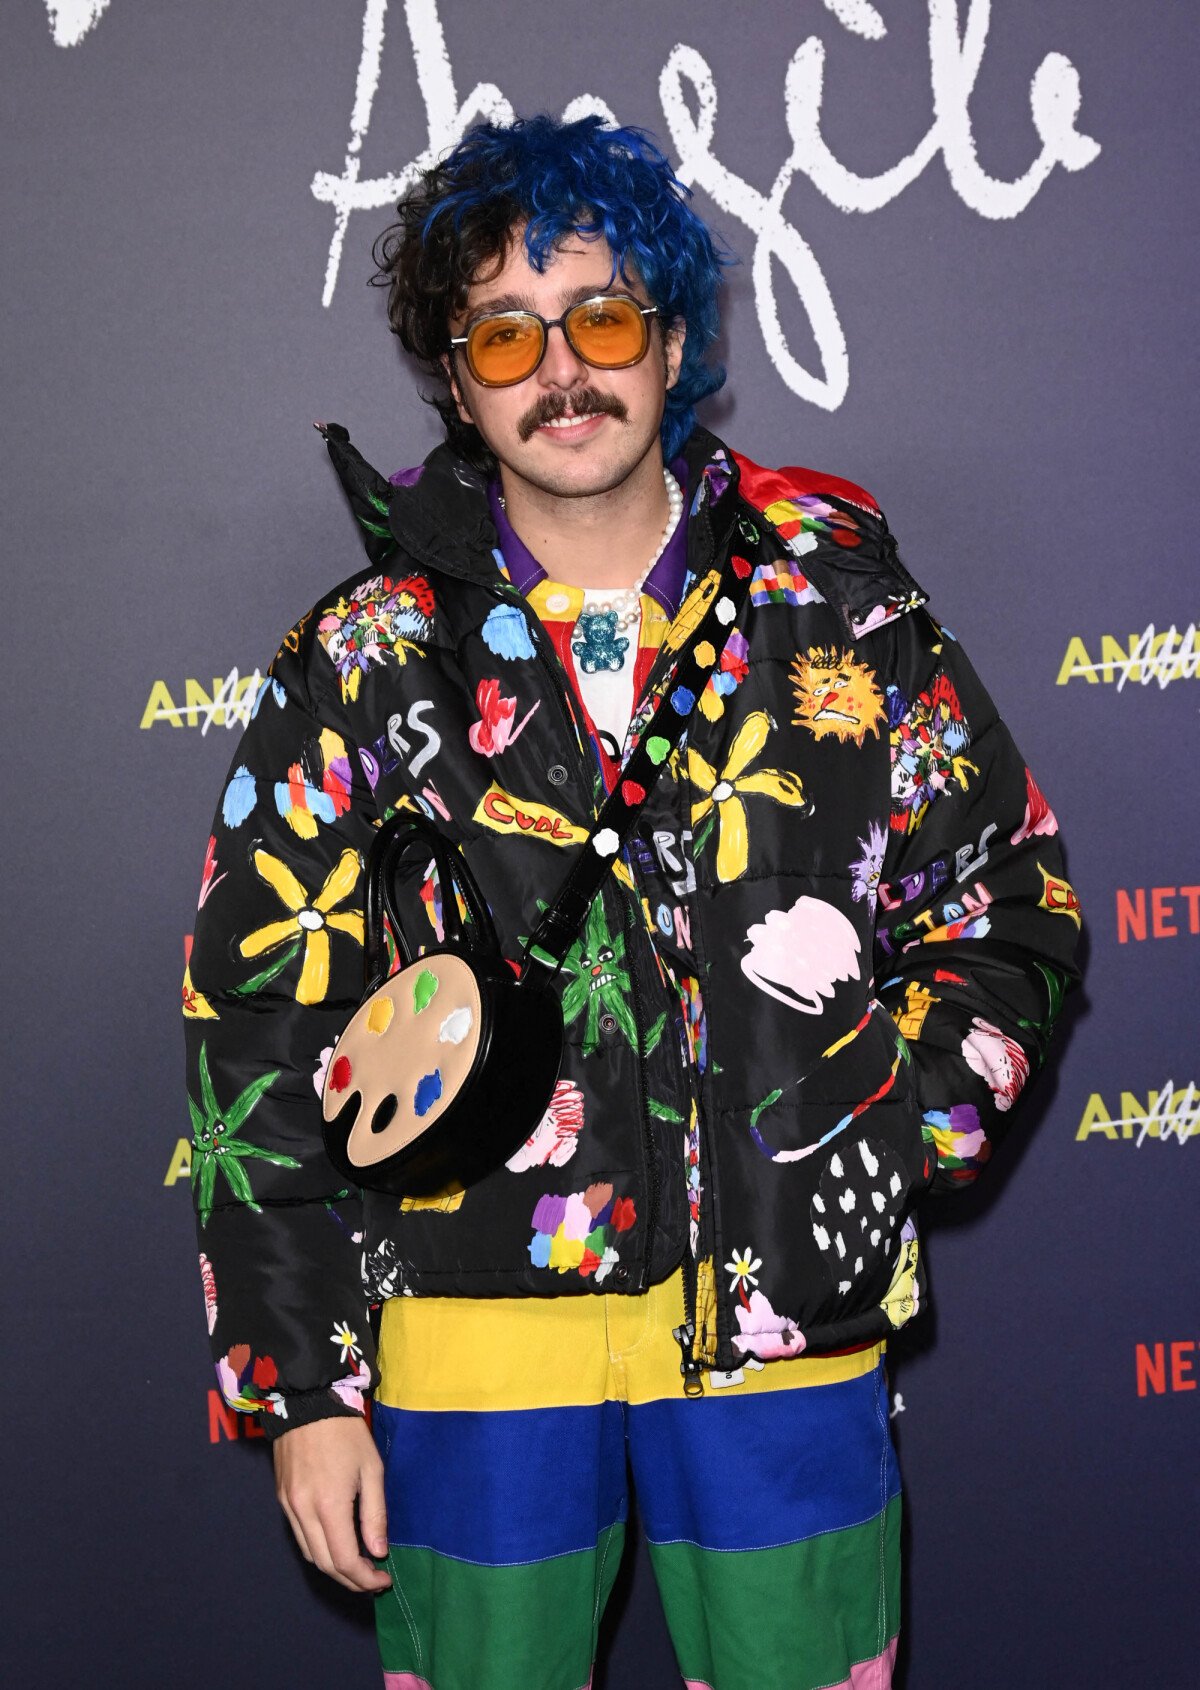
x=218 y=1146
x=597 y=980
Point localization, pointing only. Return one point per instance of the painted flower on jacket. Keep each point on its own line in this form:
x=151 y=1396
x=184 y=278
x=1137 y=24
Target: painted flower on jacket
x=381 y=615
x=929 y=739
x=209 y=1281
x=997 y=1059
x=218 y=1144
x=1039 y=817
x=742 y=1269
x=867 y=867
x=308 y=923
x=347 y=1341
x=725 y=791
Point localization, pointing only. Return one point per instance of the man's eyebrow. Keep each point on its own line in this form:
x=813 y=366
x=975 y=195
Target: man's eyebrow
x=523 y=302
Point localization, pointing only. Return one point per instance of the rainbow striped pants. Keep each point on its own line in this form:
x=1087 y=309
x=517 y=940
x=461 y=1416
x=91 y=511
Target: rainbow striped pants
x=508 y=1428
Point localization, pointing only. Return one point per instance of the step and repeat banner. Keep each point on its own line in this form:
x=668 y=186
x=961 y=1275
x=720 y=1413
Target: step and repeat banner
x=968 y=241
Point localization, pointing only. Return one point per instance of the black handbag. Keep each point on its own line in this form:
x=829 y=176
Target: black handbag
x=448 y=1065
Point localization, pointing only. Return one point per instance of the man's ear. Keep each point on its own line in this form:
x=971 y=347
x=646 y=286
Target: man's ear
x=673 y=341
x=455 y=389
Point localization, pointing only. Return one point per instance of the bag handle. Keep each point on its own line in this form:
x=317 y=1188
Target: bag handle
x=561 y=923
x=396 y=837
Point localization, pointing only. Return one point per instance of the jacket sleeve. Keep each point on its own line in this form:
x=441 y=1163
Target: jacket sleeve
x=274 y=974
x=976 y=925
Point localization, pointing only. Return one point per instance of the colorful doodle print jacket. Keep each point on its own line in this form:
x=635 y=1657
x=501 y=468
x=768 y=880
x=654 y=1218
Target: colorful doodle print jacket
x=810 y=992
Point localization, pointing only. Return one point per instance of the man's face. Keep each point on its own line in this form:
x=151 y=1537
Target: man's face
x=608 y=420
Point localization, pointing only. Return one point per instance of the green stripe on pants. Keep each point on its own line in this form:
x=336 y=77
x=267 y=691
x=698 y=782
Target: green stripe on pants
x=801 y=1615
x=456 y=1623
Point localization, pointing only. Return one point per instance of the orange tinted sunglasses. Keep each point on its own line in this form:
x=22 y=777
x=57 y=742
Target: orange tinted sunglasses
x=608 y=331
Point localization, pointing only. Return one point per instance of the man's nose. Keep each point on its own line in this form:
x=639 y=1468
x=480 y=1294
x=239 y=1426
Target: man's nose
x=562 y=366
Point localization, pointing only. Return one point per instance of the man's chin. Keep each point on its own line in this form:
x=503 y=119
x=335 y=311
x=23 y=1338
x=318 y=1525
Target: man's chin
x=580 y=470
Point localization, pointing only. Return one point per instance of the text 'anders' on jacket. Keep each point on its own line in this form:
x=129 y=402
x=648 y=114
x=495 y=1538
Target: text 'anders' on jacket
x=810 y=991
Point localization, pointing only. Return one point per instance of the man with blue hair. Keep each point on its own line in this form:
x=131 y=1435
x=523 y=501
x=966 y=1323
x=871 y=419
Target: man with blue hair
x=808 y=993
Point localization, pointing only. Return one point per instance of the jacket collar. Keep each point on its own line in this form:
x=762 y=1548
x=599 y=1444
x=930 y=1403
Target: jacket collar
x=439 y=513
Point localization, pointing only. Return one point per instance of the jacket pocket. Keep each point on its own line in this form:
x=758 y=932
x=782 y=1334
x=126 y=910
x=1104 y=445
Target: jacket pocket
x=822 y=1183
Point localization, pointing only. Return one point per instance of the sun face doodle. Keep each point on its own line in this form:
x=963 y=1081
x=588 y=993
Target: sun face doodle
x=382 y=615
x=836 y=697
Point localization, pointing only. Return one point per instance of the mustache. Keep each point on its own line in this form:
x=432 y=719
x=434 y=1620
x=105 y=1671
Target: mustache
x=585 y=402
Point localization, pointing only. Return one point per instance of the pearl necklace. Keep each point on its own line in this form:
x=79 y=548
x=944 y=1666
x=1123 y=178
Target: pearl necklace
x=627 y=604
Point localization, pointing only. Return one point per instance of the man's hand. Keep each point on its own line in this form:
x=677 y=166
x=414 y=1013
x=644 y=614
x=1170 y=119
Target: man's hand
x=319 y=1471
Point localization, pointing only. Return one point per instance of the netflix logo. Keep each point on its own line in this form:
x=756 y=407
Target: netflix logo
x=1157 y=912
x=1163 y=1368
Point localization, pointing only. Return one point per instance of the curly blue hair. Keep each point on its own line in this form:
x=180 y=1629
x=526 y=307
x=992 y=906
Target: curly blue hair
x=556 y=179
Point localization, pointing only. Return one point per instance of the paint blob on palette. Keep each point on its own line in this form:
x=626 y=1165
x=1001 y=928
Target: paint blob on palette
x=379 y=1016
x=429 y=1089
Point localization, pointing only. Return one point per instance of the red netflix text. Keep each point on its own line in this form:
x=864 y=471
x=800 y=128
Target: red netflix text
x=1163 y=1368
x=1157 y=912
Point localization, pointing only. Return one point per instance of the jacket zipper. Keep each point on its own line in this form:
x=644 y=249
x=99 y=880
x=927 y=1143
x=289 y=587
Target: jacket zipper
x=686 y=1336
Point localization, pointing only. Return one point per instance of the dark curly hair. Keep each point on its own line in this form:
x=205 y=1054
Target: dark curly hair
x=557 y=179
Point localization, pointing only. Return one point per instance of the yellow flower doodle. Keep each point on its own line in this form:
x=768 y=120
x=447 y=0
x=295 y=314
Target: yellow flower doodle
x=310 y=918
x=725 y=792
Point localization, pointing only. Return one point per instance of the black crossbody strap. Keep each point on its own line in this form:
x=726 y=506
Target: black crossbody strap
x=698 y=657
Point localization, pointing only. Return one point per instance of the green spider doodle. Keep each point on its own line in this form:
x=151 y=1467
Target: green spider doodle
x=597 y=978
x=217 y=1145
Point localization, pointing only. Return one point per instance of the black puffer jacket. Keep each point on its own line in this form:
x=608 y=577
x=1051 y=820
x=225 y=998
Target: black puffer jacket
x=810 y=992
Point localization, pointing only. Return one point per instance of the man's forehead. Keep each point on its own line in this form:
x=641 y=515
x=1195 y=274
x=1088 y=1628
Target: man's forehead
x=576 y=262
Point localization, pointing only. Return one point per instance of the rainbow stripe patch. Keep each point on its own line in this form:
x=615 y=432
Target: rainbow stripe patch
x=782 y=582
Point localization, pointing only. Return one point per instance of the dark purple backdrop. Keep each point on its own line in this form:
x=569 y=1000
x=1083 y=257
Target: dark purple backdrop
x=1019 y=393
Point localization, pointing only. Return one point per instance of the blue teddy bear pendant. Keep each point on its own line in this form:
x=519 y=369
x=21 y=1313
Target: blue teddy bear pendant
x=599 y=646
